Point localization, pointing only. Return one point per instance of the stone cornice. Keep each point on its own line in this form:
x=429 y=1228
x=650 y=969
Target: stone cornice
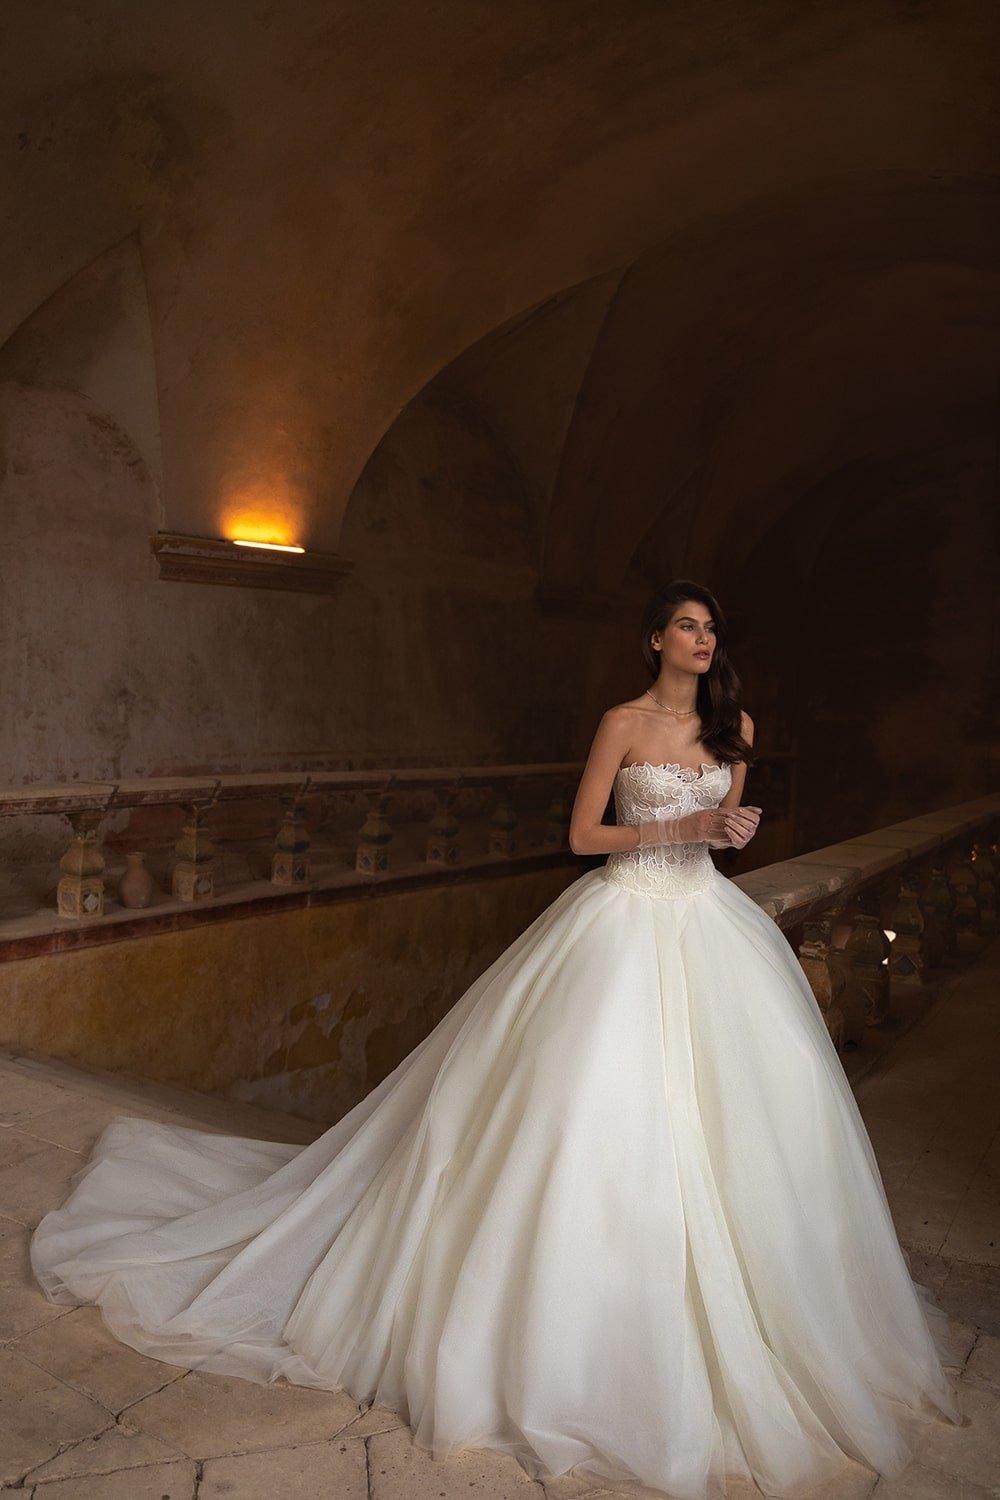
x=198 y=559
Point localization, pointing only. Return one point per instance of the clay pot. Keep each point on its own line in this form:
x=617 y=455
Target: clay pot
x=136 y=888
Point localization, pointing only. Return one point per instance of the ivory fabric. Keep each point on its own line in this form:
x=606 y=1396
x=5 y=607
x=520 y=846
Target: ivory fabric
x=617 y=1213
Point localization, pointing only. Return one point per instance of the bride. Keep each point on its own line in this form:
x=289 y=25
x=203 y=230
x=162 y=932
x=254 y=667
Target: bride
x=618 y=1212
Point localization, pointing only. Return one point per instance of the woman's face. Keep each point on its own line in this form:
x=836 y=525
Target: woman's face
x=687 y=642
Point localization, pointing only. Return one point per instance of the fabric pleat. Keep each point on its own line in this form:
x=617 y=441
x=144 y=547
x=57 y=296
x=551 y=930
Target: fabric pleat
x=618 y=1213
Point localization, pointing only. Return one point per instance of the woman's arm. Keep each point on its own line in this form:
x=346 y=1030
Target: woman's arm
x=739 y=770
x=732 y=797
x=587 y=834
x=730 y=826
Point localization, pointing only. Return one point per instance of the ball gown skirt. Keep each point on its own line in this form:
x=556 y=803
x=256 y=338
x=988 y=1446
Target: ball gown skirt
x=617 y=1213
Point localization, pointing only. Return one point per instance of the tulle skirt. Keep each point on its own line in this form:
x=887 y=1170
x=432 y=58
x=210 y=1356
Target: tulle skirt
x=618 y=1213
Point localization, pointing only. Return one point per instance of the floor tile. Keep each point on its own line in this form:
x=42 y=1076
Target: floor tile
x=401 y=1471
x=973 y=1452
x=80 y=1350
x=983 y=1364
x=109 y=1452
x=918 y=1483
x=39 y=1415
x=206 y=1416
x=176 y=1481
x=335 y=1469
x=22 y=1303
x=31 y=1187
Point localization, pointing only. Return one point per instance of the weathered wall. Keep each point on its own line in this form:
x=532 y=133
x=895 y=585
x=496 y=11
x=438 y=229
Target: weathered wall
x=108 y=671
x=896 y=695
x=305 y=1010
x=524 y=309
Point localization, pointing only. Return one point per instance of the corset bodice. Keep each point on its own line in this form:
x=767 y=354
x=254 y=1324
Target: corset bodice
x=644 y=791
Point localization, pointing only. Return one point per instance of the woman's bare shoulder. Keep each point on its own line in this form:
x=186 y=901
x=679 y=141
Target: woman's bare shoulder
x=621 y=715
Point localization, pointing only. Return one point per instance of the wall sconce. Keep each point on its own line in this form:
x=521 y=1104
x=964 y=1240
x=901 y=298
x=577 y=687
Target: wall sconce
x=239 y=541
x=246 y=564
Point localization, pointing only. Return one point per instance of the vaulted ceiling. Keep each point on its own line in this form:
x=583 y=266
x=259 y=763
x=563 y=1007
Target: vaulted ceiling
x=701 y=394
x=689 y=260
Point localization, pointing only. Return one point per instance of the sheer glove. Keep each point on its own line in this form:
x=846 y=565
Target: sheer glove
x=747 y=819
x=744 y=822
x=719 y=827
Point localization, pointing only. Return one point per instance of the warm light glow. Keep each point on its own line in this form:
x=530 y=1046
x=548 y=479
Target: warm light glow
x=890 y=935
x=267 y=546
x=266 y=508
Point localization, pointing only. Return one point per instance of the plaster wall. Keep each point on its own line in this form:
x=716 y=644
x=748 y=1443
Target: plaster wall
x=110 y=672
x=897 y=694
x=304 y=1011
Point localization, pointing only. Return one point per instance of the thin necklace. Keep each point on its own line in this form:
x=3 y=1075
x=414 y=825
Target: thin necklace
x=682 y=713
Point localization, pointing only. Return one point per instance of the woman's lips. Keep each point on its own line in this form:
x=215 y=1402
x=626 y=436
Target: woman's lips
x=704 y=654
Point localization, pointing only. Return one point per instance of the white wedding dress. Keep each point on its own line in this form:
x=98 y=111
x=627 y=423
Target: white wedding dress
x=617 y=1212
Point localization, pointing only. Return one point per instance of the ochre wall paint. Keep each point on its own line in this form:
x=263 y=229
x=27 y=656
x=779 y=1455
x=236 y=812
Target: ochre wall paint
x=306 y=1010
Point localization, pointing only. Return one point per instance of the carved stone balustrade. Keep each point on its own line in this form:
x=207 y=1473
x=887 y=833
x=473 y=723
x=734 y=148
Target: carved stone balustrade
x=961 y=877
x=504 y=825
x=873 y=917
x=372 y=856
x=442 y=840
x=826 y=977
x=987 y=869
x=557 y=817
x=194 y=871
x=938 y=906
x=916 y=879
x=866 y=953
x=365 y=818
x=290 y=861
x=80 y=892
x=909 y=958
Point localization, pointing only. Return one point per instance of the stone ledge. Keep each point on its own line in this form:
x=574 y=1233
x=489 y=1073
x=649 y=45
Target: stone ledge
x=62 y=935
x=789 y=890
x=794 y=889
x=164 y=791
x=198 y=559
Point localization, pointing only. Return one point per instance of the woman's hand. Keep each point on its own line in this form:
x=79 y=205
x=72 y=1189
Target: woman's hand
x=747 y=820
x=722 y=827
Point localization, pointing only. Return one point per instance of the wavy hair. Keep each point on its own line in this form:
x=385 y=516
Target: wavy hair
x=719 y=689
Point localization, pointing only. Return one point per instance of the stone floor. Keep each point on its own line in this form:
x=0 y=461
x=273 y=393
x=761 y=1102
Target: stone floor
x=85 y=1418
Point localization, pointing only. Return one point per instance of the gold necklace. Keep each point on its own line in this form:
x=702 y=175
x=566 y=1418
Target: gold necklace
x=681 y=713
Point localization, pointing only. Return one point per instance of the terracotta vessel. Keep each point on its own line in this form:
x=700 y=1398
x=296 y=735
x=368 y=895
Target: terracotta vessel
x=136 y=886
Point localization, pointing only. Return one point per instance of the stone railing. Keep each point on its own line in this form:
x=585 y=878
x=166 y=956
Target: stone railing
x=879 y=913
x=869 y=917
x=332 y=833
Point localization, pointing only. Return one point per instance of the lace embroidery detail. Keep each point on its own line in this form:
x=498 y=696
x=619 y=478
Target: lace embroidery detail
x=643 y=791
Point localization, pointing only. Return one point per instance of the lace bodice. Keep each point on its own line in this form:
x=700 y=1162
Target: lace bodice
x=644 y=791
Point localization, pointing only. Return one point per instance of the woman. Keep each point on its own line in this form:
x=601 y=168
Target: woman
x=618 y=1212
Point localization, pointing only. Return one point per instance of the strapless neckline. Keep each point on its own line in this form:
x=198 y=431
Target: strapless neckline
x=671 y=765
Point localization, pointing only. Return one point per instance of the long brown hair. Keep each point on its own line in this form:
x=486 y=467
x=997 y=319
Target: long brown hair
x=719 y=689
